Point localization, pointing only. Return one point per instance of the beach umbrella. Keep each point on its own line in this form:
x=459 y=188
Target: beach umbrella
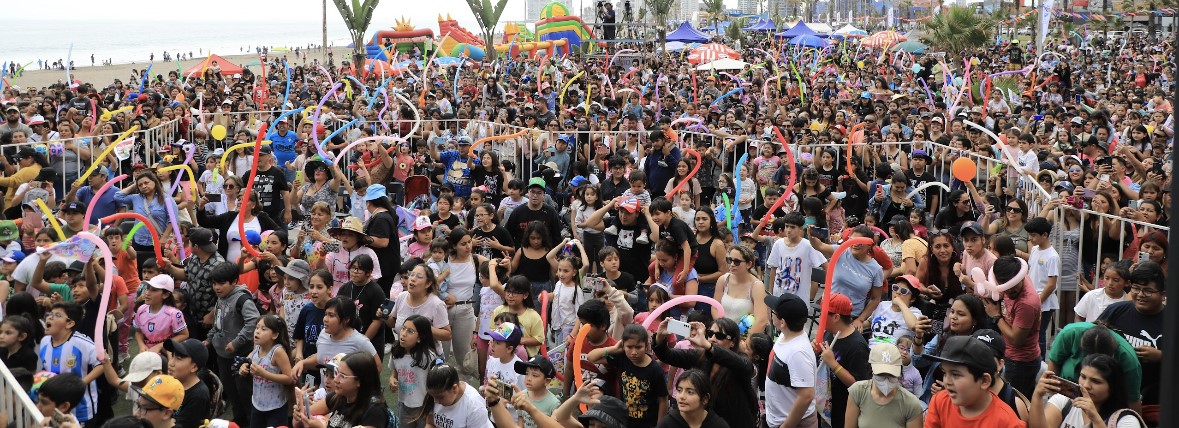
x=811 y=41
x=724 y=64
x=911 y=46
x=711 y=52
x=883 y=39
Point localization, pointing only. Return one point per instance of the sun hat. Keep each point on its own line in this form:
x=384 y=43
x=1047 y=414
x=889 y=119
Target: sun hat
x=350 y=224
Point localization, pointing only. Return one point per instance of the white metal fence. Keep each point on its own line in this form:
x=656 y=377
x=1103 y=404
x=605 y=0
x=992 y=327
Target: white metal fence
x=15 y=403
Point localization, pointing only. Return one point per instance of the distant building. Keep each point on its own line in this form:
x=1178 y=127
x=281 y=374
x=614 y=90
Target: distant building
x=748 y=7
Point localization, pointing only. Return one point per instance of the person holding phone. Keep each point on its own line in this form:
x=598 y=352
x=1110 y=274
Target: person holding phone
x=1095 y=400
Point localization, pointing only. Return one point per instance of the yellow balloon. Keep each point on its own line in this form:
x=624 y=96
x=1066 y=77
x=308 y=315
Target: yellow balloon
x=218 y=132
x=860 y=64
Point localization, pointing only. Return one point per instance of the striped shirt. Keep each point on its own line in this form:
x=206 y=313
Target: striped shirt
x=75 y=356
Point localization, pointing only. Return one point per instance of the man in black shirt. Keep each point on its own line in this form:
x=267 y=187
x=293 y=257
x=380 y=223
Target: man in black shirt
x=271 y=186
x=534 y=210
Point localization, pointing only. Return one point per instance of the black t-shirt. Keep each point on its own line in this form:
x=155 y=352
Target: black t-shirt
x=827 y=177
x=499 y=233
x=678 y=232
x=625 y=281
x=917 y=181
x=451 y=222
x=760 y=211
x=383 y=225
x=24 y=357
x=852 y=354
x=641 y=388
x=307 y=328
x=633 y=255
x=856 y=201
x=195 y=407
x=949 y=219
x=1139 y=329
x=269 y=185
x=522 y=215
x=369 y=299
x=675 y=420
x=89 y=318
x=373 y=416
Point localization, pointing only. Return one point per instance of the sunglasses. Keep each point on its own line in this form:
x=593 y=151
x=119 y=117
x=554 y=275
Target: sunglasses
x=1016 y=210
x=734 y=261
x=899 y=288
x=709 y=334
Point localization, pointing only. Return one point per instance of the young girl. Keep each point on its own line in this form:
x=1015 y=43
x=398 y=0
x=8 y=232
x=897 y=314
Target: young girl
x=692 y=189
x=352 y=244
x=684 y=209
x=1116 y=280
x=490 y=297
x=748 y=193
x=413 y=354
x=567 y=293
x=310 y=321
x=587 y=202
x=646 y=388
x=293 y=296
x=518 y=302
x=157 y=320
x=17 y=342
x=439 y=250
x=901 y=317
x=765 y=166
x=212 y=185
x=530 y=259
x=270 y=366
x=423 y=236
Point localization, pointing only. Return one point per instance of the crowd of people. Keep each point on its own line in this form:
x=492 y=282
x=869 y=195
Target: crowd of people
x=597 y=241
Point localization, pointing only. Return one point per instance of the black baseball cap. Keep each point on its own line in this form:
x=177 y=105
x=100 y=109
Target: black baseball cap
x=992 y=339
x=203 y=238
x=788 y=307
x=265 y=150
x=968 y=351
x=539 y=362
x=971 y=226
x=74 y=206
x=190 y=348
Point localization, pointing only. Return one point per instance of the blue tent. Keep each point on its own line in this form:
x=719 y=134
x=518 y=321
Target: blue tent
x=799 y=30
x=810 y=41
x=687 y=34
x=718 y=28
x=762 y=25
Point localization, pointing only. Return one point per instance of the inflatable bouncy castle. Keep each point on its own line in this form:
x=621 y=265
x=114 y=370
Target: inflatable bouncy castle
x=556 y=23
x=402 y=38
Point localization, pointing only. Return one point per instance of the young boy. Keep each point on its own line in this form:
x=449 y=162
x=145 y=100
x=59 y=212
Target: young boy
x=1043 y=269
x=9 y=238
x=185 y=361
x=232 y=336
x=593 y=315
x=644 y=381
x=967 y=401
x=64 y=350
x=675 y=231
x=439 y=249
x=50 y=278
x=792 y=259
x=8 y=265
x=537 y=372
x=638 y=187
x=845 y=352
x=61 y=393
x=501 y=363
x=790 y=377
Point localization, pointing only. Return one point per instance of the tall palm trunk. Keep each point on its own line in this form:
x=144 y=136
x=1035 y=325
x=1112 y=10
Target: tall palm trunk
x=324 y=46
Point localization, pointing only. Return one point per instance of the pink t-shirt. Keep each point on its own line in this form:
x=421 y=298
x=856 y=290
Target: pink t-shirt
x=337 y=264
x=160 y=326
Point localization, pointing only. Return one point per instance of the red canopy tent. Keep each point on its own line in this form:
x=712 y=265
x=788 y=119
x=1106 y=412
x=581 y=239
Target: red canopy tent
x=227 y=68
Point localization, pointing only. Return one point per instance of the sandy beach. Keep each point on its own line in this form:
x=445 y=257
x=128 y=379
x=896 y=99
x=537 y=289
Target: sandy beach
x=103 y=75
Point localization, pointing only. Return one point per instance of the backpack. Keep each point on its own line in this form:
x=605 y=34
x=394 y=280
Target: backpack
x=217 y=403
x=1113 y=418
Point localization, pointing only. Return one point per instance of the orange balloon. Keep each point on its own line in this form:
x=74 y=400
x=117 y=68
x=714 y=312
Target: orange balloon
x=964 y=169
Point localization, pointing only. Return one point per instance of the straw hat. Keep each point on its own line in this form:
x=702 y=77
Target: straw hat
x=351 y=224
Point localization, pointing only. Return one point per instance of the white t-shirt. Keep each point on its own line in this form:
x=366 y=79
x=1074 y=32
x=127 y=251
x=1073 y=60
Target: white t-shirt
x=411 y=381
x=488 y=301
x=798 y=359
x=235 y=241
x=468 y=411
x=1044 y=264
x=1074 y=418
x=794 y=267
x=1094 y=303
x=26 y=268
x=506 y=373
x=214 y=185
x=889 y=325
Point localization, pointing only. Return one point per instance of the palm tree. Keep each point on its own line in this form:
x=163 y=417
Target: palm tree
x=487 y=17
x=660 y=8
x=734 y=31
x=325 y=25
x=715 y=10
x=958 y=29
x=356 y=18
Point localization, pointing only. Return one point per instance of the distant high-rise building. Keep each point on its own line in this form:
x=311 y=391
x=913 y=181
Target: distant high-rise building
x=688 y=9
x=748 y=7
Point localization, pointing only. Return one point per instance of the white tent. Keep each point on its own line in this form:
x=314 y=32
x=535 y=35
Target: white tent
x=849 y=30
x=724 y=64
x=820 y=27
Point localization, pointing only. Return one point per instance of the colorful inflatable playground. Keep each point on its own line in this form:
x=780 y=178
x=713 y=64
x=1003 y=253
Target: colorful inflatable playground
x=557 y=33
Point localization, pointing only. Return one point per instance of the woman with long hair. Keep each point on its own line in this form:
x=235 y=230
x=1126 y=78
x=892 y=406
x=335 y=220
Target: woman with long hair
x=1011 y=224
x=355 y=399
x=716 y=356
x=936 y=272
x=147 y=198
x=1100 y=231
x=461 y=298
x=966 y=315
x=421 y=298
x=1095 y=400
x=711 y=263
x=341 y=325
x=314 y=240
x=322 y=184
x=740 y=292
x=903 y=247
x=489 y=174
x=381 y=229
x=1148 y=211
x=229 y=241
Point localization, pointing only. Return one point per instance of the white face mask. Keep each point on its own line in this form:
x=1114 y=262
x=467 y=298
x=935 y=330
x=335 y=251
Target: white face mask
x=885 y=383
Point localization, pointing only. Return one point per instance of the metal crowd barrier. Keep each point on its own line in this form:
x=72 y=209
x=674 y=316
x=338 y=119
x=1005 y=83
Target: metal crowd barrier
x=15 y=403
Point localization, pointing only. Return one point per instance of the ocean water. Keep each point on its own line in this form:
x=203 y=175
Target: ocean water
x=134 y=39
